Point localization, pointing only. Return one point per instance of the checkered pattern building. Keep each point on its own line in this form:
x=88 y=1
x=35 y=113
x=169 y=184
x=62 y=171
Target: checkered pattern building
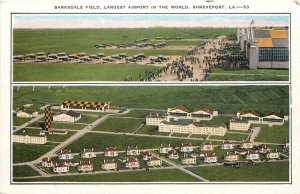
x=48 y=118
x=81 y=105
x=266 y=47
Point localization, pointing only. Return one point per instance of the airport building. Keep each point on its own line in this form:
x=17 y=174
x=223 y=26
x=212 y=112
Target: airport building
x=265 y=47
x=85 y=106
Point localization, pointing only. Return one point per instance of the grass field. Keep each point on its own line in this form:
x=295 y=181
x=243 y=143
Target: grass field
x=57 y=125
x=60 y=138
x=219 y=74
x=78 y=72
x=119 y=125
x=100 y=141
x=83 y=40
x=275 y=134
x=17 y=121
x=25 y=153
x=24 y=171
x=164 y=175
x=225 y=99
x=138 y=113
x=151 y=130
x=261 y=172
x=231 y=136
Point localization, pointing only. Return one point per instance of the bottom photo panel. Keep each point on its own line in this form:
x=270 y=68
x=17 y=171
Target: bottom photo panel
x=157 y=134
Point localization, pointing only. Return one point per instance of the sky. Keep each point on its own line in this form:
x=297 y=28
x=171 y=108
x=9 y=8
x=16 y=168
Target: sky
x=144 y=21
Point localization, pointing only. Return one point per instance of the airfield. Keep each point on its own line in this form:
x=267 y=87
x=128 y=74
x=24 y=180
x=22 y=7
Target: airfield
x=124 y=125
x=143 y=54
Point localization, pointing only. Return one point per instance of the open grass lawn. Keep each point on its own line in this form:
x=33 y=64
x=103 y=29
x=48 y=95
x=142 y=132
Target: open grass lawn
x=198 y=136
x=83 y=40
x=261 y=172
x=79 y=72
x=164 y=175
x=151 y=130
x=101 y=141
x=19 y=105
x=179 y=43
x=60 y=138
x=225 y=99
x=231 y=136
x=119 y=125
x=24 y=171
x=17 y=121
x=28 y=131
x=138 y=113
x=275 y=134
x=180 y=134
x=26 y=152
x=219 y=74
x=85 y=118
x=58 y=125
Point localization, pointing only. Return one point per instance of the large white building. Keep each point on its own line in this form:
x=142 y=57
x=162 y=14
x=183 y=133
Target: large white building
x=30 y=139
x=188 y=126
x=239 y=125
x=27 y=113
x=198 y=114
x=69 y=116
x=256 y=118
x=155 y=118
x=266 y=47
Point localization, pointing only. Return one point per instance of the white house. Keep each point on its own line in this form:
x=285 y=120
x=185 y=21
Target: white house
x=60 y=167
x=207 y=147
x=109 y=165
x=173 y=154
x=263 y=148
x=154 y=162
x=111 y=152
x=132 y=151
x=231 y=157
x=273 y=155
x=132 y=163
x=252 y=155
x=246 y=144
x=30 y=139
x=65 y=155
x=186 y=147
x=147 y=156
x=88 y=153
x=236 y=124
x=85 y=166
x=69 y=116
x=163 y=149
x=27 y=113
x=226 y=145
x=46 y=162
x=210 y=158
x=188 y=159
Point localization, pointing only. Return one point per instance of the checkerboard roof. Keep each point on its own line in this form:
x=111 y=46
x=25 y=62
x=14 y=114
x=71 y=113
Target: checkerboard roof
x=86 y=104
x=272 y=37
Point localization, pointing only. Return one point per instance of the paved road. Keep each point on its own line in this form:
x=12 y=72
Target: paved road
x=254 y=133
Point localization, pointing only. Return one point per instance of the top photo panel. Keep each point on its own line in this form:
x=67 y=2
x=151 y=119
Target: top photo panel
x=161 y=48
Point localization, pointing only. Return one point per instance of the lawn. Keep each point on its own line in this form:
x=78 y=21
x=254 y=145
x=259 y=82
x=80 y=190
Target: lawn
x=100 y=141
x=275 y=134
x=26 y=152
x=219 y=74
x=28 y=131
x=260 y=172
x=79 y=72
x=225 y=99
x=86 y=118
x=24 y=171
x=164 y=175
x=58 y=125
x=17 y=121
x=151 y=130
x=83 y=40
x=119 y=125
x=138 y=113
x=60 y=138
x=231 y=136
